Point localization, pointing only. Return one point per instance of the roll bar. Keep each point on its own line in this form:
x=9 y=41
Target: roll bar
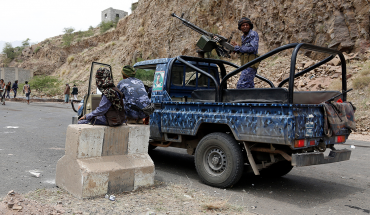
x=297 y=47
x=317 y=49
x=185 y=60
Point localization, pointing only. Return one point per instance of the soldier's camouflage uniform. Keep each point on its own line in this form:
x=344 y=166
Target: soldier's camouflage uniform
x=134 y=93
x=249 y=45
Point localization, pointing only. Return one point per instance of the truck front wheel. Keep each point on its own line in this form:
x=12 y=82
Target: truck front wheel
x=219 y=160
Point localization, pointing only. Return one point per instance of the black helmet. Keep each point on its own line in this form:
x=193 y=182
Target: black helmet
x=244 y=20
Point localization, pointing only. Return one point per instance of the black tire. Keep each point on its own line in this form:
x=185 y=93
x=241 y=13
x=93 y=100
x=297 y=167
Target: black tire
x=277 y=170
x=219 y=160
x=151 y=147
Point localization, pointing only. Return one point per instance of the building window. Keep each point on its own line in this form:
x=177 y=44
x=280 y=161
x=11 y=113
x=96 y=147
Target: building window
x=117 y=15
x=105 y=15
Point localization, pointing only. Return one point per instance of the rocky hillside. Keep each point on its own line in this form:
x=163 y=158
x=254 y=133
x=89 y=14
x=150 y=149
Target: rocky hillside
x=150 y=32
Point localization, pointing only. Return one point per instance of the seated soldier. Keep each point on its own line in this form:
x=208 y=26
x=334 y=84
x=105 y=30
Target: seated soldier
x=111 y=109
x=135 y=96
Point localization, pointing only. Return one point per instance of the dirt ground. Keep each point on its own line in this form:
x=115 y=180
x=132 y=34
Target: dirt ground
x=359 y=137
x=158 y=199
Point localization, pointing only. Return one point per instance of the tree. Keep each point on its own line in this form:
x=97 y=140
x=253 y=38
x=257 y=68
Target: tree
x=69 y=30
x=26 y=43
x=9 y=51
x=68 y=36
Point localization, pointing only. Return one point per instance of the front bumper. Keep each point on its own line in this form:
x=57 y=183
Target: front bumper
x=315 y=158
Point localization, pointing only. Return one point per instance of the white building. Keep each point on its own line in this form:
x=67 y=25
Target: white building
x=111 y=14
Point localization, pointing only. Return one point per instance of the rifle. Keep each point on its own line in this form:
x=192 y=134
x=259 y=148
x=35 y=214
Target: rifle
x=210 y=41
x=332 y=99
x=336 y=110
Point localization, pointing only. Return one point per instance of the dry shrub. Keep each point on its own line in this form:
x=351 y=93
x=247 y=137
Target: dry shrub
x=335 y=85
x=361 y=82
x=70 y=59
x=217 y=205
x=365 y=71
x=141 y=30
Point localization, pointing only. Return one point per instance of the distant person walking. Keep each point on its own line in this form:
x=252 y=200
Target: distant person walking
x=27 y=91
x=8 y=88
x=2 y=91
x=15 y=88
x=67 y=91
x=74 y=92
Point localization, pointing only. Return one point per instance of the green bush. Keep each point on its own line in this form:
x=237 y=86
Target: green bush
x=68 y=36
x=145 y=74
x=46 y=84
x=13 y=52
x=133 y=6
x=88 y=33
x=37 y=49
x=26 y=43
x=7 y=61
x=105 y=26
x=10 y=52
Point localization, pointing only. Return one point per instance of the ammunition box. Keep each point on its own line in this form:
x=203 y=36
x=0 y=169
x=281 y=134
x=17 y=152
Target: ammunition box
x=206 y=43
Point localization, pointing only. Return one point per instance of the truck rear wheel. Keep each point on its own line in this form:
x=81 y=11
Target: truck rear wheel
x=219 y=160
x=277 y=169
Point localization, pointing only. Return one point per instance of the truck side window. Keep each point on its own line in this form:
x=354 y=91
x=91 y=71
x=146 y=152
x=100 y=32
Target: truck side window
x=177 y=75
x=203 y=81
x=190 y=77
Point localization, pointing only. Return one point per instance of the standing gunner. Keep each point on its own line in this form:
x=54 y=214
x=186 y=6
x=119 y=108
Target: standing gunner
x=248 y=51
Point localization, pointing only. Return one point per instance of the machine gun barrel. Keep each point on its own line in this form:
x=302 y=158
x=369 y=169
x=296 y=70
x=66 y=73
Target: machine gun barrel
x=192 y=26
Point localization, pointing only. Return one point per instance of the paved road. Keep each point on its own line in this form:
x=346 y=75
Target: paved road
x=32 y=137
x=38 y=143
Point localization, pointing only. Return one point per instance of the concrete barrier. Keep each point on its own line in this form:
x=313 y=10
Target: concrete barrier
x=101 y=159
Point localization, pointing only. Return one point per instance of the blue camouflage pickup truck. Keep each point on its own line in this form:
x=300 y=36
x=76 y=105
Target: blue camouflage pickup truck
x=265 y=130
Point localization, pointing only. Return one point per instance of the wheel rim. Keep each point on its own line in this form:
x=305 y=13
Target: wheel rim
x=214 y=161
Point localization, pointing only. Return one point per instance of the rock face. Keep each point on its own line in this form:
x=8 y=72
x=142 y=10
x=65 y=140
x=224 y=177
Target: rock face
x=150 y=32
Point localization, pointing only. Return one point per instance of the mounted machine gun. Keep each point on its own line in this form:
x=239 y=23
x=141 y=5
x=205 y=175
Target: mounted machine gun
x=209 y=41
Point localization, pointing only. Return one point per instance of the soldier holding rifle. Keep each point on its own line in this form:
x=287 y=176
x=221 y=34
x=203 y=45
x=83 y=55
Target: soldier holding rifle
x=248 y=51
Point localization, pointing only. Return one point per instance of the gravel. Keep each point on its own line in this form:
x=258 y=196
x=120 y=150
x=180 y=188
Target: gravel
x=158 y=199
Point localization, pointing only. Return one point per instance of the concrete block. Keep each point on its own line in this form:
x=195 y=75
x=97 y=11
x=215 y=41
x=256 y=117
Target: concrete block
x=84 y=141
x=85 y=173
x=121 y=180
x=94 y=184
x=144 y=172
x=116 y=140
x=138 y=139
x=68 y=175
